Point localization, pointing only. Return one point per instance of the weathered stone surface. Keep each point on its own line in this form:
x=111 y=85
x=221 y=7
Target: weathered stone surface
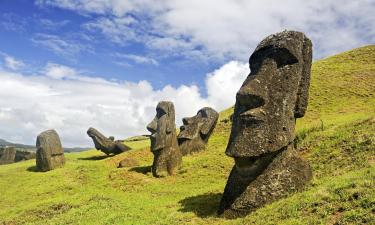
x=164 y=146
x=128 y=162
x=49 y=153
x=8 y=155
x=106 y=145
x=196 y=130
x=275 y=93
x=11 y=155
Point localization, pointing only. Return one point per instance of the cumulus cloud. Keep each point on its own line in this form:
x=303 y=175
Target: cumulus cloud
x=63 y=98
x=223 y=29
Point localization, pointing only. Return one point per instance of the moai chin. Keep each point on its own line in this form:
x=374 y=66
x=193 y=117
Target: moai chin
x=164 y=146
x=49 y=151
x=106 y=145
x=273 y=96
x=196 y=131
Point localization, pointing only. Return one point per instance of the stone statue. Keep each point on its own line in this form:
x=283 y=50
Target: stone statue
x=273 y=96
x=8 y=155
x=49 y=152
x=196 y=130
x=164 y=146
x=106 y=145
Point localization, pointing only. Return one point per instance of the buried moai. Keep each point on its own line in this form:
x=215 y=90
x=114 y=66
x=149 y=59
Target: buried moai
x=106 y=145
x=49 y=151
x=196 y=130
x=164 y=146
x=273 y=96
x=8 y=155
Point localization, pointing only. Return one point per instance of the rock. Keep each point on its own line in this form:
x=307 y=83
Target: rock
x=8 y=155
x=49 y=153
x=106 y=145
x=164 y=146
x=128 y=162
x=24 y=155
x=196 y=131
x=273 y=96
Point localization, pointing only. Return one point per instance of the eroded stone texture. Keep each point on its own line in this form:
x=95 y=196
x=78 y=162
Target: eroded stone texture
x=196 y=130
x=164 y=146
x=275 y=93
x=49 y=151
x=8 y=155
x=106 y=145
x=11 y=155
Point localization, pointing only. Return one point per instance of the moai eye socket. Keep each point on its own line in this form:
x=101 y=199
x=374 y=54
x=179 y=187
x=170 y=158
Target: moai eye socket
x=160 y=112
x=281 y=56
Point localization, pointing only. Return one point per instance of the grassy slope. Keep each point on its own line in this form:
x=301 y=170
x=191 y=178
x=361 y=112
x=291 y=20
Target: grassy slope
x=336 y=136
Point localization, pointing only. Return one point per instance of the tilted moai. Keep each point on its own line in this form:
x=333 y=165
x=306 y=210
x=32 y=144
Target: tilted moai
x=164 y=146
x=106 y=145
x=8 y=155
x=49 y=151
x=273 y=96
x=196 y=130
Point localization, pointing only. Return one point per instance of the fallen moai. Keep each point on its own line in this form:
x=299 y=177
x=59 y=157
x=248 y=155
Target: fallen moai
x=106 y=145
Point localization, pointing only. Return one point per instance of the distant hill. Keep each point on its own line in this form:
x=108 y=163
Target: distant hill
x=32 y=148
x=337 y=138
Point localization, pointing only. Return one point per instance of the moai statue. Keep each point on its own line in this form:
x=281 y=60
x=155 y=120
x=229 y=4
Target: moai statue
x=49 y=151
x=196 y=130
x=106 y=145
x=164 y=146
x=8 y=155
x=273 y=96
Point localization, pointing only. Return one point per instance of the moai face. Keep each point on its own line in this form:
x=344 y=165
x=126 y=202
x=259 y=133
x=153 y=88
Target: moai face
x=162 y=126
x=196 y=130
x=164 y=146
x=272 y=97
x=267 y=167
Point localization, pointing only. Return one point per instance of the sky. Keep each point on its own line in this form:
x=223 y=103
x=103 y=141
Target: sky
x=73 y=64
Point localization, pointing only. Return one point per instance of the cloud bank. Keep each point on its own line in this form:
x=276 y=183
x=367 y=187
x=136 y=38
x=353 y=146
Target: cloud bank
x=62 y=98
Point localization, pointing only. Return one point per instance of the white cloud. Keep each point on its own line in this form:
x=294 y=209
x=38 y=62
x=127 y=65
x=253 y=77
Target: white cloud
x=137 y=58
x=12 y=63
x=64 y=99
x=60 y=46
x=53 y=25
x=225 y=29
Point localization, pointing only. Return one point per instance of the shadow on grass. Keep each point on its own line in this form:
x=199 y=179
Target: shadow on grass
x=141 y=169
x=32 y=169
x=97 y=157
x=203 y=206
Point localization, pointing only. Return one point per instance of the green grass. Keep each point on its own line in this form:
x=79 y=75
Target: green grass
x=337 y=137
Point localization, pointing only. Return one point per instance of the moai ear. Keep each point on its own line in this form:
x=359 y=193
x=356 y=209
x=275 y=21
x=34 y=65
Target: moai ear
x=171 y=118
x=303 y=89
x=209 y=125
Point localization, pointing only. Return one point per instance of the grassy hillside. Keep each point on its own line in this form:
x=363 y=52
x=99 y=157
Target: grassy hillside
x=337 y=137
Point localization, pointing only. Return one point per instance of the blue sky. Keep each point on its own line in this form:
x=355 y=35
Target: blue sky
x=72 y=64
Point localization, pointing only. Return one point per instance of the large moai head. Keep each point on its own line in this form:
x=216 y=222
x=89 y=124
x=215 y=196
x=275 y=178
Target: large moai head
x=49 y=151
x=196 y=130
x=167 y=155
x=273 y=96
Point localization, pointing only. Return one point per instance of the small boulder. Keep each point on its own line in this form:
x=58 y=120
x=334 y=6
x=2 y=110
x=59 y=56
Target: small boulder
x=128 y=162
